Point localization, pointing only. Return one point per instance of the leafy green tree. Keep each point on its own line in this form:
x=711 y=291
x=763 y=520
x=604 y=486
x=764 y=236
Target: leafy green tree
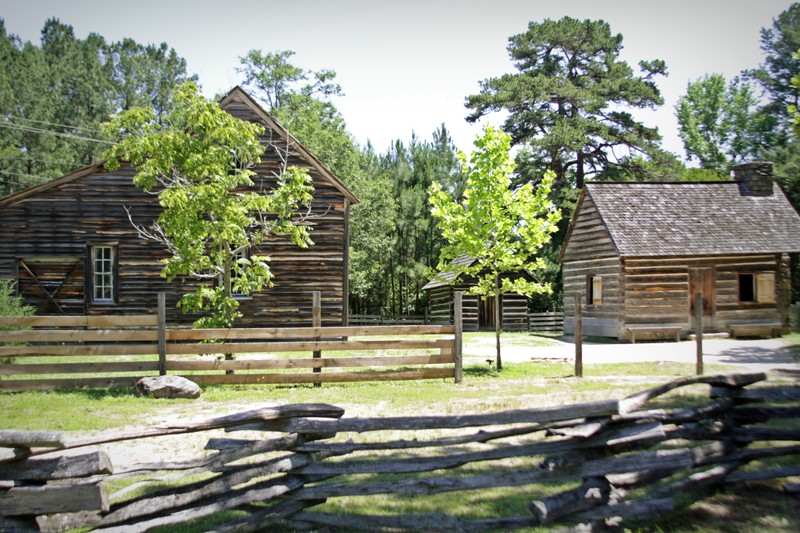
x=568 y=102
x=720 y=123
x=146 y=75
x=373 y=227
x=200 y=158
x=779 y=43
x=502 y=228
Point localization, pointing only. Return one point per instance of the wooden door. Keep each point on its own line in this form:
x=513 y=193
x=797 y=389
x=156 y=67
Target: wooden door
x=702 y=280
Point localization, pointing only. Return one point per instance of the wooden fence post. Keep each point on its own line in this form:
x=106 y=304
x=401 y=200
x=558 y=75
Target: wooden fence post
x=458 y=322
x=162 y=334
x=316 y=321
x=698 y=331
x=578 y=336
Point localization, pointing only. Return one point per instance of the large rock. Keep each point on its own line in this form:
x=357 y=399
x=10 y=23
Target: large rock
x=167 y=387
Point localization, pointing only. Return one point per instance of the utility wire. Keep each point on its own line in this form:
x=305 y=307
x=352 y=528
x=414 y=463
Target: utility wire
x=54 y=133
x=53 y=123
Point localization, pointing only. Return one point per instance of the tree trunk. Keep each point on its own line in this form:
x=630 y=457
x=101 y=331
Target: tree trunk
x=227 y=283
x=579 y=173
x=497 y=320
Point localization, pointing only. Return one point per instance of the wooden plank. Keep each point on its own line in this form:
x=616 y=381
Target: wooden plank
x=62 y=467
x=17 y=438
x=27 y=501
x=303 y=333
x=307 y=377
x=325 y=362
x=520 y=416
x=81 y=321
x=99 y=335
x=78 y=368
x=308 y=346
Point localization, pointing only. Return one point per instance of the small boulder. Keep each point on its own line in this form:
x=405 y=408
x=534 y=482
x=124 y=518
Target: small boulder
x=167 y=387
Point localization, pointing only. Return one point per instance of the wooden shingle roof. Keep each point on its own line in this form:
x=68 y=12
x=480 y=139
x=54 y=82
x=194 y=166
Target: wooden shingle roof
x=446 y=277
x=675 y=219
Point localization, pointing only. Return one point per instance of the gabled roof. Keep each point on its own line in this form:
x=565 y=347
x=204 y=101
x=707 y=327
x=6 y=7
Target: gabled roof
x=236 y=92
x=715 y=218
x=272 y=123
x=447 y=277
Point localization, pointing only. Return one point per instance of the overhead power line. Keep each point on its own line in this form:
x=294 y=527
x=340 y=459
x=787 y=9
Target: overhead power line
x=54 y=133
x=53 y=123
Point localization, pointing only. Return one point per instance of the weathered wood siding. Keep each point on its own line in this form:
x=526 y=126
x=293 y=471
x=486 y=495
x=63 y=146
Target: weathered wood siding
x=515 y=312
x=298 y=272
x=591 y=252
x=515 y=309
x=657 y=289
x=51 y=230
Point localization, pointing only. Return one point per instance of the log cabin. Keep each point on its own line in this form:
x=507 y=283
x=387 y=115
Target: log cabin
x=477 y=313
x=71 y=249
x=636 y=254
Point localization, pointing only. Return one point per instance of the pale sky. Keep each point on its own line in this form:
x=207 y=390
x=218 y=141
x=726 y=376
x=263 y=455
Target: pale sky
x=408 y=66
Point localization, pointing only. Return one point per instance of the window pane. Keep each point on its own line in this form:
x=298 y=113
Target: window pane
x=103 y=273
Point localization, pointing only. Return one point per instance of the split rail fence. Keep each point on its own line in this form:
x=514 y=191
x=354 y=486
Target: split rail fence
x=573 y=464
x=67 y=352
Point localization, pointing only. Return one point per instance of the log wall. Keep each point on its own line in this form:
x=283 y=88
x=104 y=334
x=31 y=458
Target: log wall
x=657 y=290
x=591 y=252
x=590 y=463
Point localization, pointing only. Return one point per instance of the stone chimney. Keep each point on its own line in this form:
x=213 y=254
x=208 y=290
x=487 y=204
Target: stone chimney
x=755 y=179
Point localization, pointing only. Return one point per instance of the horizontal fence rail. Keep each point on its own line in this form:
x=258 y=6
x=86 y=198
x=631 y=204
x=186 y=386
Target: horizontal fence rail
x=309 y=467
x=96 y=352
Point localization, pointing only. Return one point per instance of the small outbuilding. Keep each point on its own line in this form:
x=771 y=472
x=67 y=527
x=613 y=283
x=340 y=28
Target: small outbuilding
x=477 y=313
x=636 y=254
x=70 y=247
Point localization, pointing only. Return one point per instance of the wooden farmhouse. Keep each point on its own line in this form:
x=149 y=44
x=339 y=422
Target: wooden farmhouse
x=637 y=254
x=71 y=248
x=477 y=313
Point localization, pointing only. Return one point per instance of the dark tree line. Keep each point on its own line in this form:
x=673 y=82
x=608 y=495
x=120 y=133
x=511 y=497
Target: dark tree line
x=54 y=95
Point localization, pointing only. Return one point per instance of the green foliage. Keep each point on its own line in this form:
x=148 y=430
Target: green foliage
x=499 y=227
x=10 y=303
x=567 y=103
x=53 y=98
x=199 y=160
x=720 y=123
x=779 y=44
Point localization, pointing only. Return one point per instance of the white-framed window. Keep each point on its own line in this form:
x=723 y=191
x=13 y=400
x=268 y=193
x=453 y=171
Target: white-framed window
x=103 y=273
x=757 y=287
x=594 y=290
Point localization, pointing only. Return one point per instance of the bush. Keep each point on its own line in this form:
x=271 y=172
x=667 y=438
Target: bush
x=10 y=303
